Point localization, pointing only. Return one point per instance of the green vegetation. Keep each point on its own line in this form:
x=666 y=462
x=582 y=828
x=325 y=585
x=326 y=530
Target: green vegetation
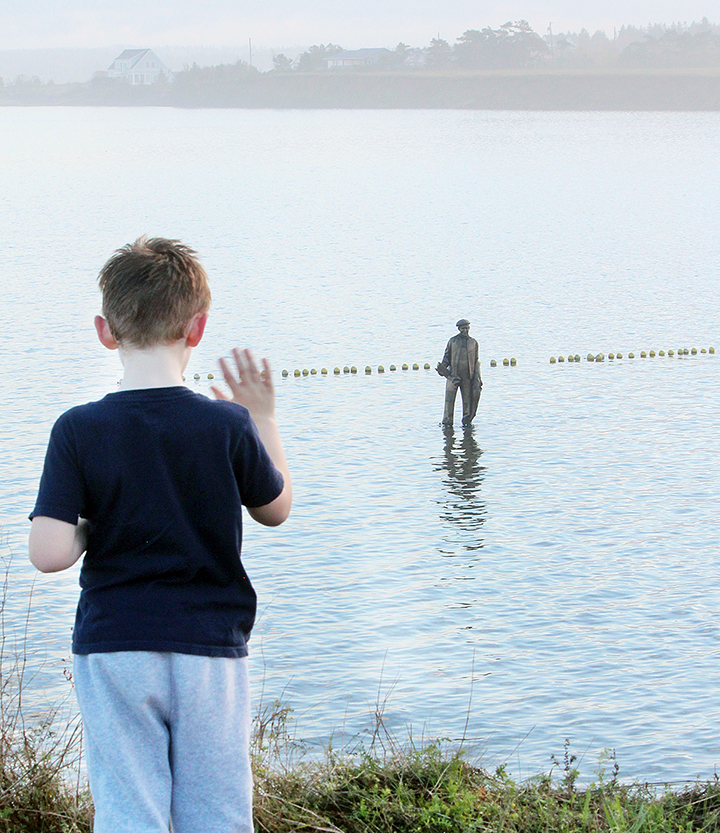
x=386 y=788
x=40 y=785
x=381 y=788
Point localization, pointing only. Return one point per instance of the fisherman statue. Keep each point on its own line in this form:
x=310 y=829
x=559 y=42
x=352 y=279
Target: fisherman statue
x=461 y=368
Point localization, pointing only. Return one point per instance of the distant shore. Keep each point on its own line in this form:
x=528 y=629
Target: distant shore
x=664 y=90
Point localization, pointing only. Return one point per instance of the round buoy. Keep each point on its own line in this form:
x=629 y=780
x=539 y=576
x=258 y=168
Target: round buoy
x=211 y=375
x=611 y=356
x=590 y=357
x=703 y=350
x=196 y=376
x=353 y=369
x=416 y=366
x=306 y=372
x=513 y=362
x=324 y=371
x=560 y=359
x=346 y=369
x=284 y=373
x=506 y=362
x=694 y=351
x=631 y=355
x=368 y=369
x=671 y=352
x=553 y=360
x=426 y=366
x=652 y=354
x=392 y=367
x=493 y=363
x=661 y=353
x=404 y=367
x=297 y=373
x=711 y=350
x=336 y=371
x=381 y=369
x=643 y=354
x=313 y=372
x=577 y=357
x=600 y=357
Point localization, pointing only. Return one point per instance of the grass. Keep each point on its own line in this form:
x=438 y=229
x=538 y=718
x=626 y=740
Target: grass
x=40 y=785
x=376 y=785
x=380 y=787
x=434 y=789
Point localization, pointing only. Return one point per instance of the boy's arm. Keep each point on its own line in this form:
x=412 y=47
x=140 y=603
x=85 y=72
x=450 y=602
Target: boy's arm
x=256 y=392
x=56 y=545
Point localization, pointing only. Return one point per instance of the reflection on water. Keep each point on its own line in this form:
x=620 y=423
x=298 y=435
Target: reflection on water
x=463 y=506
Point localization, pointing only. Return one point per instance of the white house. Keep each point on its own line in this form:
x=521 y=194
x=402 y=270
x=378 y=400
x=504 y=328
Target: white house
x=138 y=66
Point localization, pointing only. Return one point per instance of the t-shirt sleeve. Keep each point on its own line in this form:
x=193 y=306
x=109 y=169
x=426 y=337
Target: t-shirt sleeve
x=61 y=492
x=258 y=480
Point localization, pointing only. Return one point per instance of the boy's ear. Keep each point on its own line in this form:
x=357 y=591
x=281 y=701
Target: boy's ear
x=196 y=328
x=107 y=339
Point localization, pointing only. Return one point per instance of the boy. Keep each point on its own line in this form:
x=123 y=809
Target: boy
x=149 y=483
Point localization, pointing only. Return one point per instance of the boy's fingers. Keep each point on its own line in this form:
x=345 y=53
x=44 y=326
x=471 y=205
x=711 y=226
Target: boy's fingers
x=249 y=375
x=247 y=369
x=233 y=383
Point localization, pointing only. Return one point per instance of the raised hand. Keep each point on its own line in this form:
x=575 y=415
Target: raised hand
x=250 y=387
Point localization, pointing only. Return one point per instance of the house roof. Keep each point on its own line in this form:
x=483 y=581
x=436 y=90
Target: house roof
x=132 y=55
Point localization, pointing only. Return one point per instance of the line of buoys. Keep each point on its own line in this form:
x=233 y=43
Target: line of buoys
x=507 y=362
x=644 y=354
x=381 y=368
x=350 y=369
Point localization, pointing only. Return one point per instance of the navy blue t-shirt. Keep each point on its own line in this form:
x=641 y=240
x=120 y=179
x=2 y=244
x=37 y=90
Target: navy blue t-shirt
x=160 y=475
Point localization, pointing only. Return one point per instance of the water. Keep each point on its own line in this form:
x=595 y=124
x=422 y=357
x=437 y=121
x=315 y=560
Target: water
x=549 y=574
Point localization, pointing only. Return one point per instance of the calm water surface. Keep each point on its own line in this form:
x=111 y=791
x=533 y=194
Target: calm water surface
x=551 y=573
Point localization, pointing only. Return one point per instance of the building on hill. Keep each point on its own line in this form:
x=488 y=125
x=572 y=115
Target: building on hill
x=358 y=58
x=138 y=66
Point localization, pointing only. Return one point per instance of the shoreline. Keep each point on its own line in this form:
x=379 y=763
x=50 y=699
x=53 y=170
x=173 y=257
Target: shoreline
x=686 y=90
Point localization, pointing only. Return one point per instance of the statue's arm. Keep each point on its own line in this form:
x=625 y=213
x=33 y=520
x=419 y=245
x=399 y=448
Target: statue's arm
x=447 y=358
x=477 y=362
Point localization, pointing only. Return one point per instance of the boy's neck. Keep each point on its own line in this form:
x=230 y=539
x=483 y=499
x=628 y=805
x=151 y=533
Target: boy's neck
x=161 y=366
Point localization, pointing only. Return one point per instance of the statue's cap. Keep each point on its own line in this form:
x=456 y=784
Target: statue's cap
x=463 y=322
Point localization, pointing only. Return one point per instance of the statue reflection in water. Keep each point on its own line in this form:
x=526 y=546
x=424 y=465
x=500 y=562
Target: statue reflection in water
x=463 y=507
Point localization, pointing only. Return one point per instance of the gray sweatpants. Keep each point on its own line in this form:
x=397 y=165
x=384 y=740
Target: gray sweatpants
x=167 y=739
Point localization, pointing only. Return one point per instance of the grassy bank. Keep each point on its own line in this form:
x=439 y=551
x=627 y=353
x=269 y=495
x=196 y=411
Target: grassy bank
x=492 y=90
x=377 y=788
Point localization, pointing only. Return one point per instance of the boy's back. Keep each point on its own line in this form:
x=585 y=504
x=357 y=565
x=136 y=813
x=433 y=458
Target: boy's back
x=161 y=475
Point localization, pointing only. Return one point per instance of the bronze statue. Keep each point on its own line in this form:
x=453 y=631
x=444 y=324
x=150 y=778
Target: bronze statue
x=461 y=368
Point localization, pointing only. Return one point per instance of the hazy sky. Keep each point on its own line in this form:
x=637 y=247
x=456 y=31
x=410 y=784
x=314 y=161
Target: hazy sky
x=28 y=24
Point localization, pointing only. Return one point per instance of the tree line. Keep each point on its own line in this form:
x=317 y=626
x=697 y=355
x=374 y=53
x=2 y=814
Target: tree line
x=515 y=45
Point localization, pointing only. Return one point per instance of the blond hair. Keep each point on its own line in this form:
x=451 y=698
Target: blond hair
x=151 y=290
